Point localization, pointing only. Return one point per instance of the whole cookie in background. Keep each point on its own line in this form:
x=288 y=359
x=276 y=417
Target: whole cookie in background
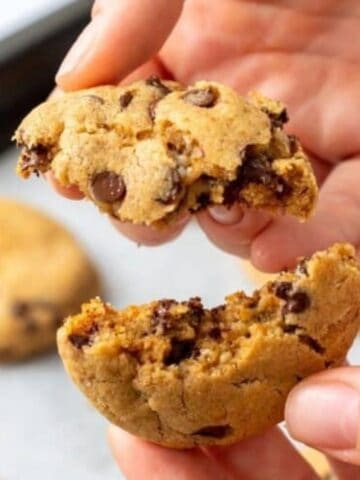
x=146 y=152
x=44 y=276
x=181 y=375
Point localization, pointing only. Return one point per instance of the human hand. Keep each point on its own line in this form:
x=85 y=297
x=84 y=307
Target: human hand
x=303 y=53
x=322 y=411
x=267 y=457
x=298 y=51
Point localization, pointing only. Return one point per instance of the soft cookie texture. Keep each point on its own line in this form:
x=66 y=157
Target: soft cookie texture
x=180 y=375
x=44 y=277
x=148 y=151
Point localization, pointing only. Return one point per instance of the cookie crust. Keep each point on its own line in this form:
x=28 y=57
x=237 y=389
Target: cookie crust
x=181 y=375
x=149 y=151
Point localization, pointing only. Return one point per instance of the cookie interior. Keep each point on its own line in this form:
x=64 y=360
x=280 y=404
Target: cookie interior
x=185 y=334
x=149 y=151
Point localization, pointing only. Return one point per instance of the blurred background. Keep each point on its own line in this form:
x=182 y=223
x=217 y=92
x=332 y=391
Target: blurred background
x=34 y=35
x=48 y=430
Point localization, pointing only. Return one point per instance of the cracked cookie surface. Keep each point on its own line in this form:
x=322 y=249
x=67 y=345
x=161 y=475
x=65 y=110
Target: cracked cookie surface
x=44 y=276
x=146 y=152
x=181 y=375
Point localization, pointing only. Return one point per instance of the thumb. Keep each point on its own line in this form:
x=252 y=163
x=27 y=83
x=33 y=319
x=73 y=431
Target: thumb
x=122 y=35
x=324 y=412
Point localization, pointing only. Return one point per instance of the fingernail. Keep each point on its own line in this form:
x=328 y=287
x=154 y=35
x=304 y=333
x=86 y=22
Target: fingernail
x=325 y=416
x=225 y=215
x=79 y=50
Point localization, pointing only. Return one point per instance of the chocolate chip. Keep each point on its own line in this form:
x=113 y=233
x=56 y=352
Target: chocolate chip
x=96 y=98
x=79 y=341
x=20 y=309
x=302 y=267
x=215 y=431
x=298 y=302
x=252 y=302
x=290 y=328
x=216 y=313
x=108 y=187
x=31 y=327
x=257 y=170
x=155 y=81
x=204 y=98
x=174 y=188
x=196 y=305
x=180 y=350
x=152 y=109
x=293 y=144
x=282 y=289
x=282 y=188
x=94 y=328
x=162 y=321
x=30 y=312
x=125 y=100
x=215 y=333
x=196 y=352
x=176 y=150
x=278 y=119
x=312 y=343
x=36 y=159
x=163 y=307
x=203 y=200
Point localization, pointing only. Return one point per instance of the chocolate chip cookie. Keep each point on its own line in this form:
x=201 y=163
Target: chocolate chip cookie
x=149 y=151
x=181 y=375
x=44 y=276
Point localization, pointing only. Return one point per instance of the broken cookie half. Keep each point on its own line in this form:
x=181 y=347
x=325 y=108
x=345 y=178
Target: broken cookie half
x=147 y=152
x=181 y=375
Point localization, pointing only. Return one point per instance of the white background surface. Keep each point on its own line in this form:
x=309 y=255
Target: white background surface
x=16 y=14
x=47 y=428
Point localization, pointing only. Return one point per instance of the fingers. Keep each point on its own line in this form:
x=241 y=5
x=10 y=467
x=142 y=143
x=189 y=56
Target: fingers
x=138 y=459
x=324 y=412
x=232 y=229
x=122 y=35
x=344 y=471
x=264 y=458
x=72 y=192
x=149 y=236
x=336 y=219
x=152 y=67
